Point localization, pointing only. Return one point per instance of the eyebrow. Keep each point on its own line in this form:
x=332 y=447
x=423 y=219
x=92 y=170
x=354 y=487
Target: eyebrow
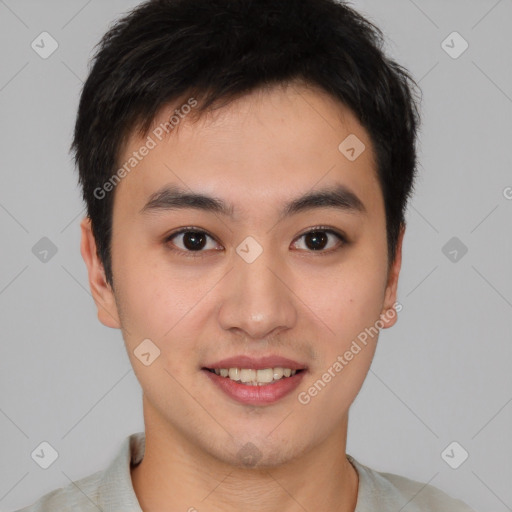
x=173 y=197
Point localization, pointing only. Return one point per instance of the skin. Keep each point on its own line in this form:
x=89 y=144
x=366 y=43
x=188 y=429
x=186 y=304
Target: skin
x=257 y=153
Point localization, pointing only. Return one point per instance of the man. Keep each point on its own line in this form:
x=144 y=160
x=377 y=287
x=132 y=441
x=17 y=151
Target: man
x=246 y=167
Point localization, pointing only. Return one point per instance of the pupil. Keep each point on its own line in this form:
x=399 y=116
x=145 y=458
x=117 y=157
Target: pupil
x=316 y=237
x=193 y=240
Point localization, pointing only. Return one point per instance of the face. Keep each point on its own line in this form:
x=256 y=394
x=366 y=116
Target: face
x=252 y=279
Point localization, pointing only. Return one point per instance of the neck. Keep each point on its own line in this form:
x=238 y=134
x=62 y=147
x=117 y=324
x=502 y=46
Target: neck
x=175 y=475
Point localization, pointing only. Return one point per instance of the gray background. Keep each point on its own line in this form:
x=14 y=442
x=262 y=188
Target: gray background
x=441 y=374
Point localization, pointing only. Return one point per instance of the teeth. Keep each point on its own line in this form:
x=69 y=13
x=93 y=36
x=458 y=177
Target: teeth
x=255 y=377
x=278 y=373
x=247 y=375
x=234 y=373
x=266 y=375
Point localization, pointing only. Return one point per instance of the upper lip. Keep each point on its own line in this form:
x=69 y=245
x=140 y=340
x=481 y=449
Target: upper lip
x=257 y=363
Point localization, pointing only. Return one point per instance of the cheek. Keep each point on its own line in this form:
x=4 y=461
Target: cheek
x=350 y=307
x=350 y=299
x=146 y=303
x=158 y=300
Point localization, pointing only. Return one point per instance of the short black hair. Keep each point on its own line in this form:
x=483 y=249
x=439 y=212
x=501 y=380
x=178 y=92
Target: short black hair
x=219 y=50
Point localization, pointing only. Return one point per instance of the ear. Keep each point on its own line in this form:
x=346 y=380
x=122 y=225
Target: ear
x=387 y=316
x=102 y=292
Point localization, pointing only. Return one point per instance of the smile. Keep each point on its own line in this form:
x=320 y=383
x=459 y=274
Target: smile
x=251 y=377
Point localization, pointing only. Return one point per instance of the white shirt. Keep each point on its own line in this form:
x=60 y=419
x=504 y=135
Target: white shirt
x=111 y=490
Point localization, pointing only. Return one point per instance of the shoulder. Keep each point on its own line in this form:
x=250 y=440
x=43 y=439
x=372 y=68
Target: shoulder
x=109 y=489
x=81 y=495
x=378 y=489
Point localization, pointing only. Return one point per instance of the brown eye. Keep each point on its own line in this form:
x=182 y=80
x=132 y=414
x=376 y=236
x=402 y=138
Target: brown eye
x=194 y=240
x=316 y=240
x=189 y=241
x=320 y=239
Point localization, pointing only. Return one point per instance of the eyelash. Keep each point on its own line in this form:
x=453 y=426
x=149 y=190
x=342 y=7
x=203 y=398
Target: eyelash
x=199 y=254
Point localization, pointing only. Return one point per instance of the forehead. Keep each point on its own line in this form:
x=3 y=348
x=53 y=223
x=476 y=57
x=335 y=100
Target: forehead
x=257 y=151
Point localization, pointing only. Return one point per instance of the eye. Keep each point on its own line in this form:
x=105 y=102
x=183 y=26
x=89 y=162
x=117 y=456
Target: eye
x=318 y=238
x=191 y=240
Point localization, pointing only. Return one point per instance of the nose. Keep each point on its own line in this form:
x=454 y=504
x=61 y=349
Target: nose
x=257 y=298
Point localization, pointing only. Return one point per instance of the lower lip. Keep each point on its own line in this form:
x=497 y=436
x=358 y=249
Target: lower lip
x=256 y=395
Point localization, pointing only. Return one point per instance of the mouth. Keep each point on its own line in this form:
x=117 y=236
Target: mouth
x=255 y=381
x=253 y=377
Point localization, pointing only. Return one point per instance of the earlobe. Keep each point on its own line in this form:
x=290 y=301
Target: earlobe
x=101 y=291
x=389 y=315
